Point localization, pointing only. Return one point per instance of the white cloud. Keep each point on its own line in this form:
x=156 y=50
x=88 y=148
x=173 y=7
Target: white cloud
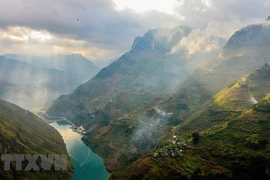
x=97 y=29
x=198 y=41
x=208 y=3
x=23 y=40
x=146 y=5
x=267 y=3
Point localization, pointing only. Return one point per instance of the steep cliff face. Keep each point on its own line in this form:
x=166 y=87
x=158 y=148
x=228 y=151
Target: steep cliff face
x=160 y=39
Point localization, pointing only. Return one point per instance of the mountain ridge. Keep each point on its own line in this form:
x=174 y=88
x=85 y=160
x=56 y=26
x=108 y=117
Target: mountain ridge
x=41 y=80
x=255 y=35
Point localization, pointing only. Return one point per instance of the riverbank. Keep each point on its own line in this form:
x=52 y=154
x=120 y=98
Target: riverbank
x=87 y=164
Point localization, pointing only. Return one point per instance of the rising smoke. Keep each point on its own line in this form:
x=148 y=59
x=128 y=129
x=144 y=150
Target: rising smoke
x=148 y=129
x=253 y=100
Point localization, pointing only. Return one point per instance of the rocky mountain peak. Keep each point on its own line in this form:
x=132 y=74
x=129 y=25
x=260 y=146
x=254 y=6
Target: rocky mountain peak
x=160 y=39
x=147 y=42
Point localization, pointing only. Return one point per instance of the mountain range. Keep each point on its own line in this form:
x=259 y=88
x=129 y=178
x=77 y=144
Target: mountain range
x=136 y=109
x=34 y=81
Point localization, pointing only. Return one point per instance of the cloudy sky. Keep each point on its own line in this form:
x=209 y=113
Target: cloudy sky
x=104 y=29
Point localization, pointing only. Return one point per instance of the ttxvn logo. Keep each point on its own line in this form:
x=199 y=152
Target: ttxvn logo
x=35 y=162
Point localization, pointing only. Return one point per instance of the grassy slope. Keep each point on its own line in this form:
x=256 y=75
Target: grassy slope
x=21 y=132
x=232 y=145
x=230 y=150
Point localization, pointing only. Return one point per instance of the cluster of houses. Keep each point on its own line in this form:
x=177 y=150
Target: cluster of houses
x=243 y=83
x=175 y=148
x=80 y=130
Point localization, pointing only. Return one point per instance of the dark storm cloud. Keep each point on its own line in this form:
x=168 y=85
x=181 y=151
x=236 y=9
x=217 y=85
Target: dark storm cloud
x=100 y=25
x=95 y=21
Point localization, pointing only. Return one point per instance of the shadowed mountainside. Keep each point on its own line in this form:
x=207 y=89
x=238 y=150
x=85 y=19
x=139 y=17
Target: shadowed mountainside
x=21 y=132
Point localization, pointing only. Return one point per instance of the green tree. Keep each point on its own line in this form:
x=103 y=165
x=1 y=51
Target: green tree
x=195 y=137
